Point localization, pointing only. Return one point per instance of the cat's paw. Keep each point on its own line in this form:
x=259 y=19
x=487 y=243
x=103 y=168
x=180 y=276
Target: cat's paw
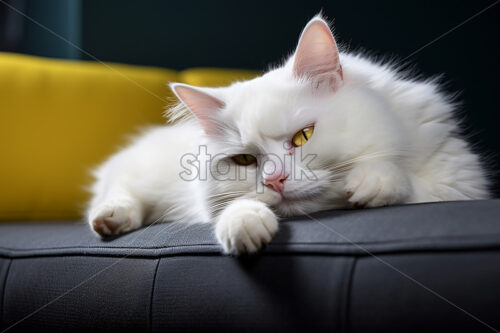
x=376 y=184
x=112 y=218
x=244 y=226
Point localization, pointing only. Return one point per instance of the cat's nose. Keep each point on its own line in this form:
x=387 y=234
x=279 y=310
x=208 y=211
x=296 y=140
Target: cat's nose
x=276 y=181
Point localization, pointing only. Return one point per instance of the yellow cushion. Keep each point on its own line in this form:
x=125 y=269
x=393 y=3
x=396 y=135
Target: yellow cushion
x=59 y=119
x=210 y=77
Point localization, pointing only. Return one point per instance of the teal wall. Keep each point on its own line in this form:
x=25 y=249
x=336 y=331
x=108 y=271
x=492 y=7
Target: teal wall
x=63 y=17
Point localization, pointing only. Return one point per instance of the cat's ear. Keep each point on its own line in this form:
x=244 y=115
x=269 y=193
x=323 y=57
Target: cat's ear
x=202 y=104
x=317 y=56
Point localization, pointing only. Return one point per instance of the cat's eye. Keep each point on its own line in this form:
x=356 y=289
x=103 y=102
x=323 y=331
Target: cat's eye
x=302 y=136
x=244 y=159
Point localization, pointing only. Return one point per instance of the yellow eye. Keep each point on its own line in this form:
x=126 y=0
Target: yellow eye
x=244 y=159
x=302 y=136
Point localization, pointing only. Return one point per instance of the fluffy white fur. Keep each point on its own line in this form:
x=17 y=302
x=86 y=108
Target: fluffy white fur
x=379 y=139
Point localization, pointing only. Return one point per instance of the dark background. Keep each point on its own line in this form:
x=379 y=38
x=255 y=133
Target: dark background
x=255 y=34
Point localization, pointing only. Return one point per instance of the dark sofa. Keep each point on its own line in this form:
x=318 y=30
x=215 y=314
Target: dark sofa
x=414 y=268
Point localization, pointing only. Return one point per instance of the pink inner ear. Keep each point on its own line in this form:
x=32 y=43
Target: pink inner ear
x=201 y=104
x=317 y=56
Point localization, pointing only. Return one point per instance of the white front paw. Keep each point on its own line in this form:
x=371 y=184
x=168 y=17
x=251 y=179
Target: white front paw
x=244 y=226
x=376 y=184
x=114 y=217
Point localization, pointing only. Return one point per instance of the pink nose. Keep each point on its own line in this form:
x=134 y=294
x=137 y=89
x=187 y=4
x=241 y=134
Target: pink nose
x=276 y=181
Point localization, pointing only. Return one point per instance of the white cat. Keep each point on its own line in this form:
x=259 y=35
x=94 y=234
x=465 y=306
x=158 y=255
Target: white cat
x=325 y=130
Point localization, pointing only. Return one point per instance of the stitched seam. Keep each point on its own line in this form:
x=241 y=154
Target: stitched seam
x=282 y=251
x=110 y=247
x=347 y=301
x=395 y=241
x=152 y=294
x=3 y=294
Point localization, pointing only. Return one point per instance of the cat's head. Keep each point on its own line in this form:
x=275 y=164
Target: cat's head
x=283 y=137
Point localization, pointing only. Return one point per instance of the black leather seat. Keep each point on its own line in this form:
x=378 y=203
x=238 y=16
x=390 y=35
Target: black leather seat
x=414 y=268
